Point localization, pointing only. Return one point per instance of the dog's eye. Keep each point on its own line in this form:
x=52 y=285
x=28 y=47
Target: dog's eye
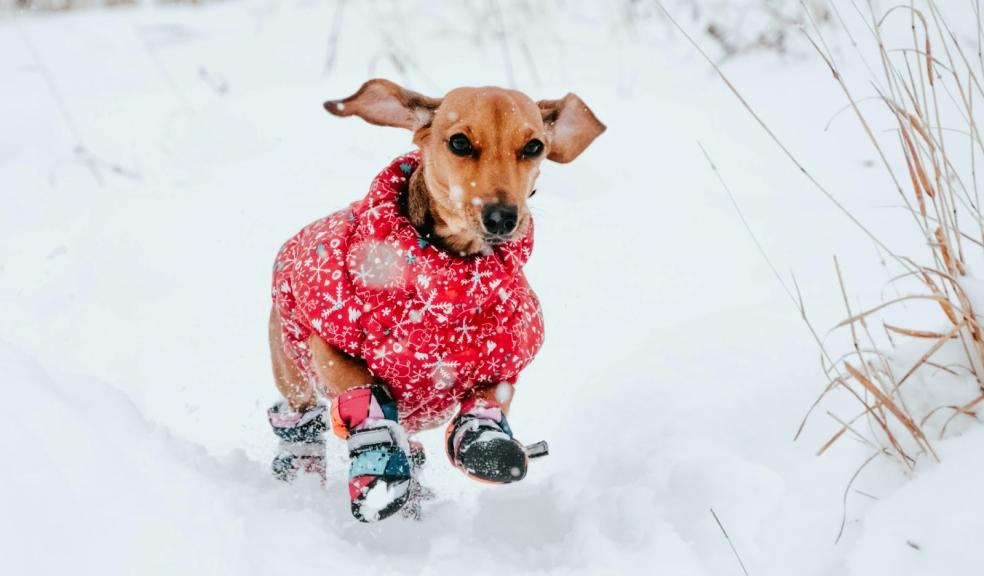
x=532 y=148
x=460 y=145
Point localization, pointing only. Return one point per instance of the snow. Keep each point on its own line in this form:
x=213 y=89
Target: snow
x=134 y=284
x=915 y=531
x=381 y=495
x=503 y=392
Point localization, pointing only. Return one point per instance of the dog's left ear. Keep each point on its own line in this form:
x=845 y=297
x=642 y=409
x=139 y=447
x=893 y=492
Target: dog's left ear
x=570 y=125
x=386 y=103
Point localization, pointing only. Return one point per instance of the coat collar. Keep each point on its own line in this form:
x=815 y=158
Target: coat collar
x=450 y=283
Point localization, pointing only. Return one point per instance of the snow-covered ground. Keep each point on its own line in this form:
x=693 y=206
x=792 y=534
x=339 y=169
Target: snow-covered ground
x=134 y=295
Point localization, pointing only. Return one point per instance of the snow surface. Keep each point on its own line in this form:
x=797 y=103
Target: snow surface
x=134 y=295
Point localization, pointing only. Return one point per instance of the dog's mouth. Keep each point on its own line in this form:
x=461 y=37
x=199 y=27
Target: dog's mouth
x=499 y=239
x=496 y=240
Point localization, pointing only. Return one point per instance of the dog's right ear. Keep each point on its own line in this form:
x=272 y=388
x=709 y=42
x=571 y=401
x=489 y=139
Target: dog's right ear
x=386 y=103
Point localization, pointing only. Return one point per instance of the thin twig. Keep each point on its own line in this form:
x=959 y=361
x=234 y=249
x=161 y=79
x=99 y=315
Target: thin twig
x=336 y=31
x=503 y=41
x=730 y=543
x=847 y=490
x=80 y=148
x=748 y=228
x=797 y=299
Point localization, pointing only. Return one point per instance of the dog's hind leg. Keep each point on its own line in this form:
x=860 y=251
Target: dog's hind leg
x=294 y=387
x=299 y=420
x=337 y=371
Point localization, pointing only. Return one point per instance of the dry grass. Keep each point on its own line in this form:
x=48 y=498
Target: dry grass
x=927 y=85
x=921 y=84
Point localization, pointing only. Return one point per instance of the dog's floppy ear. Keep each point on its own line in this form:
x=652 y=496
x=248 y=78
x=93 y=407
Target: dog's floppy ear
x=570 y=125
x=386 y=103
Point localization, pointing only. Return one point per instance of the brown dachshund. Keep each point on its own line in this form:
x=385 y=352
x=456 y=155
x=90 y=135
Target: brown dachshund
x=480 y=151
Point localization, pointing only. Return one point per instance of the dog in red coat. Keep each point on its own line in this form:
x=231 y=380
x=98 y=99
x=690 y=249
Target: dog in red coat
x=412 y=301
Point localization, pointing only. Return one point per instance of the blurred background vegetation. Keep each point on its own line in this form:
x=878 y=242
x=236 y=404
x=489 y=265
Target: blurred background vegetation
x=734 y=27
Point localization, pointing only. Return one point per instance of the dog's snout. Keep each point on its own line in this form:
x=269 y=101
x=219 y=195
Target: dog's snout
x=500 y=219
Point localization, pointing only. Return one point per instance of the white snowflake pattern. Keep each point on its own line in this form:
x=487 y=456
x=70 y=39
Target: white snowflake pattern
x=321 y=270
x=337 y=301
x=443 y=372
x=493 y=364
x=399 y=328
x=380 y=354
x=438 y=310
x=476 y=279
x=464 y=329
x=364 y=274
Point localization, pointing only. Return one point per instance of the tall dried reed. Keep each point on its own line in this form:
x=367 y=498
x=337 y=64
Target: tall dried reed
x=928 y=85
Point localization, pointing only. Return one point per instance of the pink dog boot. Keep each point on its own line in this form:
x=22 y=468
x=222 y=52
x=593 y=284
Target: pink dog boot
x=480 y=444
x=302 y=443
x=380 y=481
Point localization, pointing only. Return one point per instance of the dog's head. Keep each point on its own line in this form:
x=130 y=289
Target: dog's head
x=481 y=150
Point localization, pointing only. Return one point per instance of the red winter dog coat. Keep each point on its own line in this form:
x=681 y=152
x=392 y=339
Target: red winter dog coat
x=429 y=323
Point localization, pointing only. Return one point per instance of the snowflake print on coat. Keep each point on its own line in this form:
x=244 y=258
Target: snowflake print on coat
x=430 y=324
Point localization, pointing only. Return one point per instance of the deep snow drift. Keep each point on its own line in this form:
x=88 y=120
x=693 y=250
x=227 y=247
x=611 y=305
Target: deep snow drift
x=134 y=290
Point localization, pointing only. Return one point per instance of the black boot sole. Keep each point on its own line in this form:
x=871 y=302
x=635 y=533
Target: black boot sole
x=499 y=460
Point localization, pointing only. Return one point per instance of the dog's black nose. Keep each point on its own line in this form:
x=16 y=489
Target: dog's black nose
x=500 y=219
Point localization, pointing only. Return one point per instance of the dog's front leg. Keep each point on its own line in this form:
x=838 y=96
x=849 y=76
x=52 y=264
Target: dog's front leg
x=337 y=371
x=480 y=441
x=500 y=394
x=364 y=413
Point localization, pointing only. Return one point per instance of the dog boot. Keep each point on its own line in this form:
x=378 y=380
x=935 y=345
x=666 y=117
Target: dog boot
x=302 y=444
x=380 y=481
x=480 y=444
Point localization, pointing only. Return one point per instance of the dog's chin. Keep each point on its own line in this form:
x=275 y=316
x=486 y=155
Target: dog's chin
x=465 y=243
x=493 y=240
x=475 y=243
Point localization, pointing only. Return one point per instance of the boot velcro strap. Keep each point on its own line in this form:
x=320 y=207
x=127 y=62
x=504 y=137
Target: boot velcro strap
x=292 y=426
x=371 y=438
x=303 y=449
